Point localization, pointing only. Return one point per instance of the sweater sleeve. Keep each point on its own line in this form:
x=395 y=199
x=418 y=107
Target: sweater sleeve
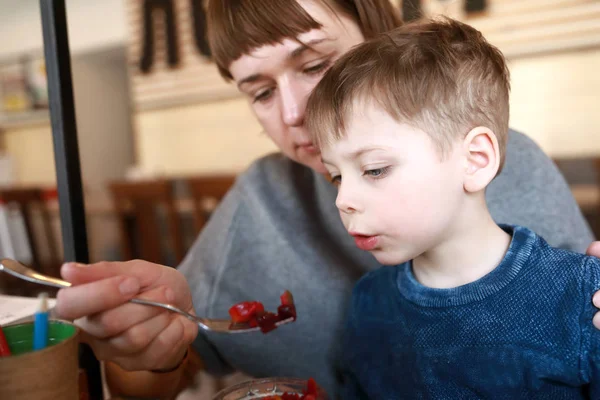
x=590 y=336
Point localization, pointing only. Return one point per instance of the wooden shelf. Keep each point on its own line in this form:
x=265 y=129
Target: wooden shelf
x=24 y=119
x=534 y=27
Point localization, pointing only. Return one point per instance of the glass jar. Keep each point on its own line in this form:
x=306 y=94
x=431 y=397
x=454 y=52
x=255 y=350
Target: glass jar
x=260 y=388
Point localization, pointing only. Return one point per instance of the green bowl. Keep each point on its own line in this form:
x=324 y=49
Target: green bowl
x=20 y=336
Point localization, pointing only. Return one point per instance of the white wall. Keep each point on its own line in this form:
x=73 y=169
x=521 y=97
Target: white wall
x=555 y=100
x=103 y=112
x=30 y=149
x=221 y=136
x=92 y=24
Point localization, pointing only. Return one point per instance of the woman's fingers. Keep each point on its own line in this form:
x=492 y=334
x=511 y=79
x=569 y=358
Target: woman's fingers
x=116 y=320
x=594 y=249
x=78 y=274
x=129 y=342
x=164 y=350
x=90 y=298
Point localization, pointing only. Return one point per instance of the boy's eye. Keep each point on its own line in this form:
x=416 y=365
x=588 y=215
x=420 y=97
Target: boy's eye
x=336 y=179
x=377 y=172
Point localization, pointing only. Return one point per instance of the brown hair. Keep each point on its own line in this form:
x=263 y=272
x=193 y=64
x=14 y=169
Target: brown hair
x=235 y=27
x=440 y=76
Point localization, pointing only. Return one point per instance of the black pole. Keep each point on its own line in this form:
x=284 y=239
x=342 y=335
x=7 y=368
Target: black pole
x=66 y=156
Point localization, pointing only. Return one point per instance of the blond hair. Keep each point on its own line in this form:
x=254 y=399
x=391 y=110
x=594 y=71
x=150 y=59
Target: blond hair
x=438 y=75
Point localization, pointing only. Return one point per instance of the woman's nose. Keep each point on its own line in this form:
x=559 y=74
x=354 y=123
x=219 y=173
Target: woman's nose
x=293 y=102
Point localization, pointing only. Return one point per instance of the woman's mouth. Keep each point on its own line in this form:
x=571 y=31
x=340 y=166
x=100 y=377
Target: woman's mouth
x=309 y=148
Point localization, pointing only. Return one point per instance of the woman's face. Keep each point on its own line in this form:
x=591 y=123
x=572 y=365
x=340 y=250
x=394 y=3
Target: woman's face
x=277 y=79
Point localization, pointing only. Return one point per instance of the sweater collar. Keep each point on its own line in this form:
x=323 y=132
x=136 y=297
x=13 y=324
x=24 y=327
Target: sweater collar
x=519 y=251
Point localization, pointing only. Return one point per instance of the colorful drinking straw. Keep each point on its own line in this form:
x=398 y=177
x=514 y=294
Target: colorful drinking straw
x=4 y=349
x=40 y=324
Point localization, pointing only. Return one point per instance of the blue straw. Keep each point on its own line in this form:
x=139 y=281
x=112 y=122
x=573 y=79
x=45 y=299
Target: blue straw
x=40 y=324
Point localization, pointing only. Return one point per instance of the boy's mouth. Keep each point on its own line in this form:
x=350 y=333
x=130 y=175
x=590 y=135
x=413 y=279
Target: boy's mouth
x=365 y=242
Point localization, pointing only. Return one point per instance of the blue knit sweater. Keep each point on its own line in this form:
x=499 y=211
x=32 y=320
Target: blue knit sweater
x=524 y=331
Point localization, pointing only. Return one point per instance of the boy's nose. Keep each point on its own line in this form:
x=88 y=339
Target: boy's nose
x=345 y=202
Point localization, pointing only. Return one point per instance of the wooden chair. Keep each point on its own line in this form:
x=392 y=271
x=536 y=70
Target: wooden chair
x=207 y=192
x=583 y=176
x=147 y=214
x=44 y=257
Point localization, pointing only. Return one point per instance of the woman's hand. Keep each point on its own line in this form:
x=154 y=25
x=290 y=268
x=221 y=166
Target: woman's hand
x=135 y=337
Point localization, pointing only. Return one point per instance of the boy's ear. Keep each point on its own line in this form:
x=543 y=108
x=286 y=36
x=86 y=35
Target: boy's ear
x=482 y=158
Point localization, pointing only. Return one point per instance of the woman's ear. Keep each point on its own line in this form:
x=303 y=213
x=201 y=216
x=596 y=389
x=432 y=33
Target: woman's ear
x=482 y=157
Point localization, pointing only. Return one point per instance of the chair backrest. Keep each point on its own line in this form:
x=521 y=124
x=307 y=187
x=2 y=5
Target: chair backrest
x=583 y=176
x=147 y=215
x=207 y=192
x=30 y=202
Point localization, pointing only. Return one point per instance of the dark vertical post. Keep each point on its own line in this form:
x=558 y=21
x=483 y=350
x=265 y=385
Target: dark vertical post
x=66 y=155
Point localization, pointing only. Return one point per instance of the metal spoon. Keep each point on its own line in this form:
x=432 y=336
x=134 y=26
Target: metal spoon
x=20 y=271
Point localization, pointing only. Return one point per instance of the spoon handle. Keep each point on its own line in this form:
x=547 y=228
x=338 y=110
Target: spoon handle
x=20 y=271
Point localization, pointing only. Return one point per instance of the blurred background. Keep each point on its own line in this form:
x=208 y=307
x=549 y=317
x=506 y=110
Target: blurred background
x=161 y=134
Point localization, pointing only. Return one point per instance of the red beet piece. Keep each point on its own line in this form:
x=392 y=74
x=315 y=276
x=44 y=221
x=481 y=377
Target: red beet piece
x=244 y=312
x=285 y=312
x=286 y=298
x=311 y=387
x=266 y=321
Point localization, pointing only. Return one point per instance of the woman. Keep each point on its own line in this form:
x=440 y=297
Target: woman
x=278 y=228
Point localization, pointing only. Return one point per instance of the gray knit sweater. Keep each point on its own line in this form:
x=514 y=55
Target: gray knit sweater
x=278 y=229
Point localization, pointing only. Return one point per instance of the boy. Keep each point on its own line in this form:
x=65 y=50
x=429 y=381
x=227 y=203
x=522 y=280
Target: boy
x=412 y=126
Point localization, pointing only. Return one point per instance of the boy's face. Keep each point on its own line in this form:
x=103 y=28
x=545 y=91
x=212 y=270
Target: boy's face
x=397 y=196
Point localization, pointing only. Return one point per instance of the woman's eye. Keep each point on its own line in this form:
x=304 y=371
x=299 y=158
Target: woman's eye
x=263 y=96
x=336 y=179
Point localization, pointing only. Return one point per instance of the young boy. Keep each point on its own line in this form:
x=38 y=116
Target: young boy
x=412 y=127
